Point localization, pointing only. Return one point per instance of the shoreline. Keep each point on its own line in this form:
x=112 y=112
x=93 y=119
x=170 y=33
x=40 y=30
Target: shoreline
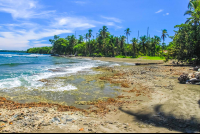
x=146 y=91
x=127 y=60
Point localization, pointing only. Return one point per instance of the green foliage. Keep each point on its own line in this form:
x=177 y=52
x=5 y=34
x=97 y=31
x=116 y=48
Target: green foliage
x=40 y=50
x=186 y=44
x=106 y=45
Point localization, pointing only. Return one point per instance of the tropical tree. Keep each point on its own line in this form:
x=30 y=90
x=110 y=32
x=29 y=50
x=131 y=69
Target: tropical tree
x=163 y=36
x=143 y=40
x=80 y=40
x=117 y=45
x=56 y=37
x=134 y=43
x=156 y=42
x=127 y=32
x=122 y=44
x=194 y=13
x=89 y=36
x=72 y=42
x=86 y=36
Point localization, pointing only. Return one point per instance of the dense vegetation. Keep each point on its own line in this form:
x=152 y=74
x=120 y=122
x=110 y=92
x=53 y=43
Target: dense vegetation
x=40 y=50
x=106 y=44
x=186 y=42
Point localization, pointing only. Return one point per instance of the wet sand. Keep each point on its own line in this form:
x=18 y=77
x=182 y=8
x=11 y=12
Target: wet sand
x=151 y=100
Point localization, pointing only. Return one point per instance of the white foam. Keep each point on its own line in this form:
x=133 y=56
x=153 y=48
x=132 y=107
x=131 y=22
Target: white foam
x=10 y=83
x=114 y=65
x=129 y=63
x=32 y=82
x=62 y=88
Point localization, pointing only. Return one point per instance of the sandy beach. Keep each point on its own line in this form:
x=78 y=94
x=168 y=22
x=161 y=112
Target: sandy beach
x=151 y=100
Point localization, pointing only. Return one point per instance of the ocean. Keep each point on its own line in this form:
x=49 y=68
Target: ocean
x=41 y=77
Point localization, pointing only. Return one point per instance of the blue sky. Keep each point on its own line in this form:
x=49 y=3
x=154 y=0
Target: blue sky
x=31 y=23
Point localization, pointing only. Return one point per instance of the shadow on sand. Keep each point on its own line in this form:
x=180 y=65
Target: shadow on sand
x=167 y=121
x=199 y=103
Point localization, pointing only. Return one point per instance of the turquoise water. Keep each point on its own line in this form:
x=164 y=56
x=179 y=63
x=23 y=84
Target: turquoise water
x=20 y=74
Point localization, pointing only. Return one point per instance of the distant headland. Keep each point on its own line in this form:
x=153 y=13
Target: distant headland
x=19 y=51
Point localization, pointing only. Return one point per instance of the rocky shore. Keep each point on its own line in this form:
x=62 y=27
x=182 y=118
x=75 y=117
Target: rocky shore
x=151 y=100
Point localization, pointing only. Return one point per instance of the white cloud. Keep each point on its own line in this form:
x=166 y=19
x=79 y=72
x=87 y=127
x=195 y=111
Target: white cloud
x=80 y=2
x=24 y=34
x=112 y=18
x=159 y=11
x=166 y=14
x=73 y=22
x=23 y=9
x=16 y=40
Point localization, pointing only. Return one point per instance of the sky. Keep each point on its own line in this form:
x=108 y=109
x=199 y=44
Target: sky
x=31 y=23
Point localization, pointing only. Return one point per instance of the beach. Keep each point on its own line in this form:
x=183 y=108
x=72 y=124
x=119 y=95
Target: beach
x=150 y=99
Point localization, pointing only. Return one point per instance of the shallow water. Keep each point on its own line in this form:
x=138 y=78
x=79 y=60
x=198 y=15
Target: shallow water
x=20 y=74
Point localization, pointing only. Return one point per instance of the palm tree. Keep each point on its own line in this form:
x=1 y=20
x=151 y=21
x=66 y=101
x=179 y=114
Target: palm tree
x=156 y=43
x=111 y=42
x=68 y=38
x=164 y=35
x=86 y=36
x=134 y=43
x=193 y=12
x=117 y=42
x=52 y=41
x=89 y=36
x=143 y=40
x=127 y=32
x=122 y=42
x=190 y=4
x=56 y=37
x=80 y=40
x=103 y=31
x=72 y=42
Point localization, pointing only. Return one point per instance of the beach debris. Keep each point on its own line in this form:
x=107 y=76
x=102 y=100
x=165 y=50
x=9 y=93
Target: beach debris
x=183 y=78
x=195 y=68
x=81 y=129
x=193 y=81
x=191 y=78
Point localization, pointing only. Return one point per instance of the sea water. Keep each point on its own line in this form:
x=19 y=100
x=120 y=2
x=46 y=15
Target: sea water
x=20 y=75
